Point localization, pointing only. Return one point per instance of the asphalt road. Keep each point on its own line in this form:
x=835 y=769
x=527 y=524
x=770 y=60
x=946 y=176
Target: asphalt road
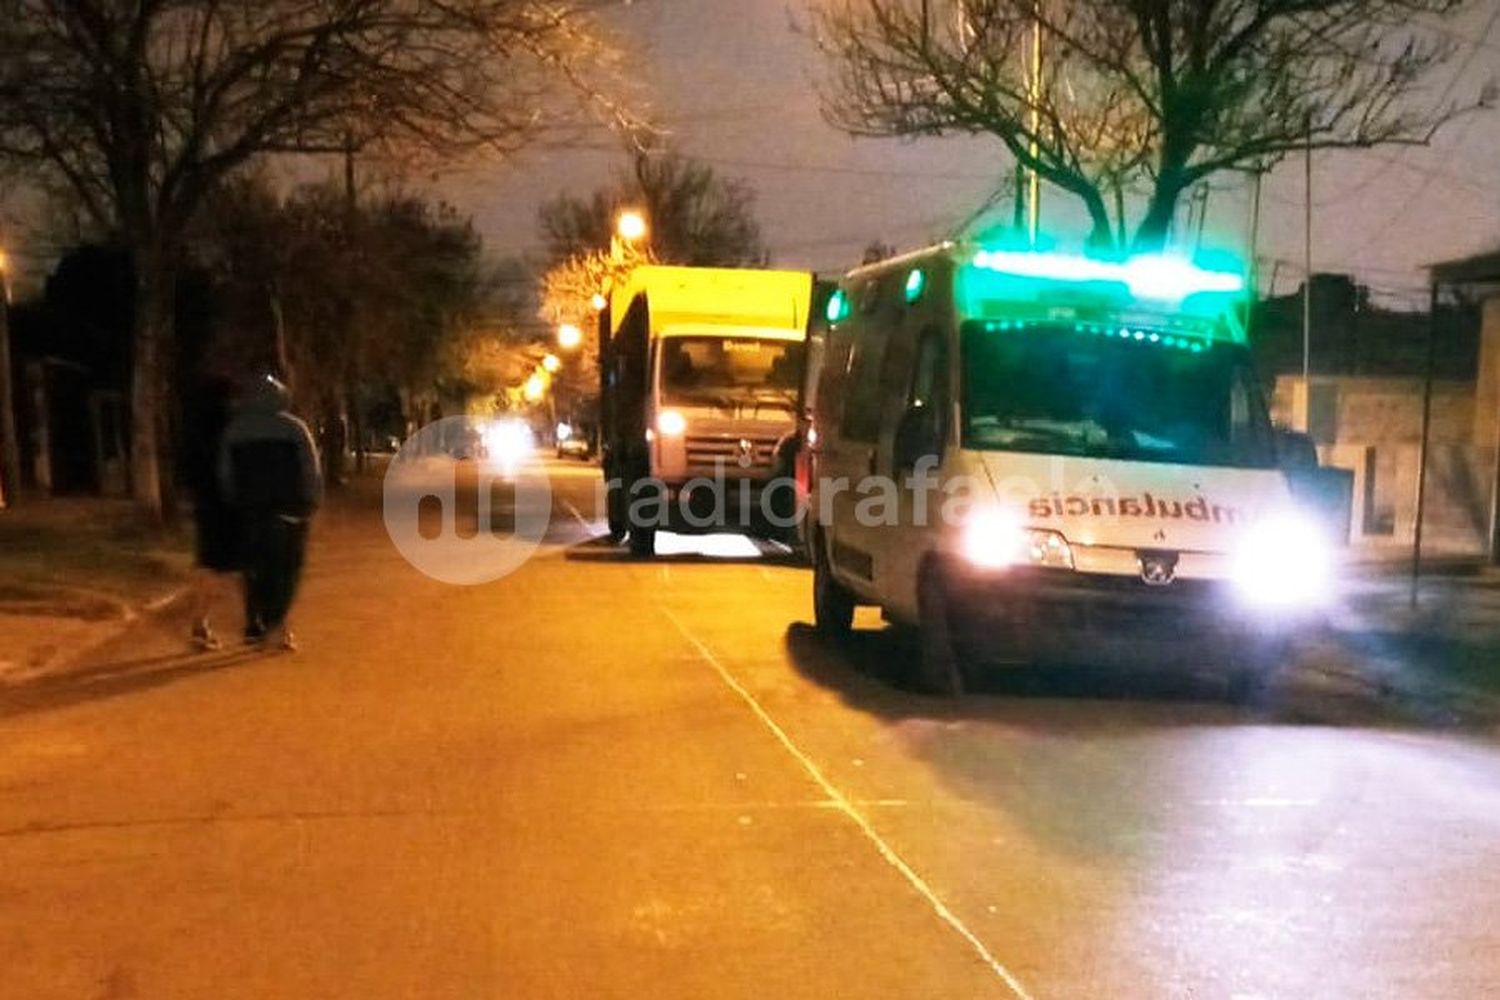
x=605 y=778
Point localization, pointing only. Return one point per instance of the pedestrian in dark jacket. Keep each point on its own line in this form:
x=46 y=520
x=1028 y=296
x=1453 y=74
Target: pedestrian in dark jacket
x=216 y=526
x=269 y=473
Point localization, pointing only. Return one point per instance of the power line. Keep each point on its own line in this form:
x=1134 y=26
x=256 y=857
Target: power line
x=1374 y=239
x=812 y=168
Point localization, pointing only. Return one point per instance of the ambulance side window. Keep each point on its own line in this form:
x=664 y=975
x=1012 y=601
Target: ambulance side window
x=862 y=399
x=929 y=383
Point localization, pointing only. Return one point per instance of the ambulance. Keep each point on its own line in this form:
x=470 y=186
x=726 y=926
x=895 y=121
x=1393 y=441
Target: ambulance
x=701 y=371
x=1041 y=458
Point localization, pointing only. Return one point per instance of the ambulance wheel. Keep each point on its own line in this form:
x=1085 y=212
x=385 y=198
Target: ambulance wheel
x=833 y=604
x=1255 y=671
x=643 y=542
x=940 y=662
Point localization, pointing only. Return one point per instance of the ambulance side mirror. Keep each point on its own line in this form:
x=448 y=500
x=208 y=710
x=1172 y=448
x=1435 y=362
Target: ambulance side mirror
x=1295 y=451
x=1327 y=493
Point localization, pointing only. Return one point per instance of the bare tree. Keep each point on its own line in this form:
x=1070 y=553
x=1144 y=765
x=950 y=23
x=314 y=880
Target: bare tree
x=1167 y=92
x=697 y=217
x=140 y=108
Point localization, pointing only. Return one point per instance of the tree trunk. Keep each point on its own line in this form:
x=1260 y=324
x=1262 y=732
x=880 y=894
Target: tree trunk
x=10 y=444
x=357 y=428
x=1156 y=226
x=154 y=281
x=1101 y=234
x=1161 y=210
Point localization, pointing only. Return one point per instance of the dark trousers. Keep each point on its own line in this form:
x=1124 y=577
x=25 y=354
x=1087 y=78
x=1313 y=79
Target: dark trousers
x=274 y=549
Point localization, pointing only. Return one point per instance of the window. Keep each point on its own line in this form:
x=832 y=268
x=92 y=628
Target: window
x=929 y=383
x=1051 y=390
x=730 y=371
x=861 y=419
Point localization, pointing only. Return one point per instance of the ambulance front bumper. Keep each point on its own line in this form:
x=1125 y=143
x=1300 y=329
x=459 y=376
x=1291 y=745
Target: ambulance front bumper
x=1035 y=615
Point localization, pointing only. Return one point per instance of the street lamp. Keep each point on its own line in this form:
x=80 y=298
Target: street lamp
x=599 y=302
x=569 y=336
x=551 y=363
x=535 y=388
x=630 y=224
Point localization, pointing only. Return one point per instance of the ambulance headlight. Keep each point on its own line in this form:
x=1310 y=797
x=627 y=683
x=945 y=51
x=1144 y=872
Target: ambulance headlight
x=997 y=539
x=1284 y=562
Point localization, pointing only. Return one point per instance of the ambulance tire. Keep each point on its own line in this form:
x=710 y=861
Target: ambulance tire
x=833 y=603
x=1255 y=672
x=939 y=666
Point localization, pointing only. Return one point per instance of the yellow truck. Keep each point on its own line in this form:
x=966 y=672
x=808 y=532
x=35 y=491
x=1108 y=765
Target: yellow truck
x=700 y=370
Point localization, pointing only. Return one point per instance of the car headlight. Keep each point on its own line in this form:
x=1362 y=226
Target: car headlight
x=997 y=539
x=1284 y=562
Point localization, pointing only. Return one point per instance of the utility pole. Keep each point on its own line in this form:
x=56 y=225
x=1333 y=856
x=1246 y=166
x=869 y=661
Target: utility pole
x=1034 y=213
x=10 y=447
x=1202 y=218
x=1307 y=273
x=347 y=409
x=1254 y=251
x=1422 y=448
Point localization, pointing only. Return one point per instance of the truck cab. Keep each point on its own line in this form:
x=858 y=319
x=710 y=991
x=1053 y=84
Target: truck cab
x=702 y=369
x=1044 y=458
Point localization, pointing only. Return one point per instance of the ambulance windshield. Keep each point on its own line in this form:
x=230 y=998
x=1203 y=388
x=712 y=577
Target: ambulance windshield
x=1050 y=389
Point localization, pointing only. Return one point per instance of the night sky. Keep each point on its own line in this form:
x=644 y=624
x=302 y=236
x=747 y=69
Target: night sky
x=736 y=84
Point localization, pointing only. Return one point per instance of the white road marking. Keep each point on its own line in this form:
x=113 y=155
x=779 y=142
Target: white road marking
x=686 y=807
x=845 y=805
x=577 y=515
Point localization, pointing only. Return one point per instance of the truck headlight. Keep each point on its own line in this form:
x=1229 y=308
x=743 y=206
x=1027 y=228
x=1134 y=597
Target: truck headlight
x=670 y=423
x=1284 y=562
x=997 y=539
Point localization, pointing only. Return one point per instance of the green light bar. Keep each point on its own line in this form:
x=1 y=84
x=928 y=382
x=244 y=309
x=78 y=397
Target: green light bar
x=1153 y=277
x=838 y=307
x=916 y=284
x=1133 y=334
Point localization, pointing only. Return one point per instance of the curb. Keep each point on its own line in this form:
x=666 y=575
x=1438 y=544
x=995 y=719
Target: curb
x=62 y=659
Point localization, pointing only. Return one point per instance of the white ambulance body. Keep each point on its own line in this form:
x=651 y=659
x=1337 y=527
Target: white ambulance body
x=1045 y=458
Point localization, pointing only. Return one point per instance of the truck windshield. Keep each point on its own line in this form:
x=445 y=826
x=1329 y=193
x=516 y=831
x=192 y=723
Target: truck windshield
x=730 y=371
x=1051 y=390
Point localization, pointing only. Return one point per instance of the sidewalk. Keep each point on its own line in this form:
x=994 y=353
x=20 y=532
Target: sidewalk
x=1444 y=652
x=73 y=573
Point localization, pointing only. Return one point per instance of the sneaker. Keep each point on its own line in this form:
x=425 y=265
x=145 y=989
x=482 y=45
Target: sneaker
x=280 y=638
x=204 y=640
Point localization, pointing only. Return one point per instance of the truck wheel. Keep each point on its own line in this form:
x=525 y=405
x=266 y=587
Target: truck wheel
x=833 y=604
x=616 y=512
x=643 y=542
x=940 y=666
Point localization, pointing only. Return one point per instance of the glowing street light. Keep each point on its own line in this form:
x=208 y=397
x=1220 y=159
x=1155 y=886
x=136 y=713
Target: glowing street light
x=631 y=225
x=569 y=337
x=551 y=362
x=599 y=302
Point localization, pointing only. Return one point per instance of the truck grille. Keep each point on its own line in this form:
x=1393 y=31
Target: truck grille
x=748 y=452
